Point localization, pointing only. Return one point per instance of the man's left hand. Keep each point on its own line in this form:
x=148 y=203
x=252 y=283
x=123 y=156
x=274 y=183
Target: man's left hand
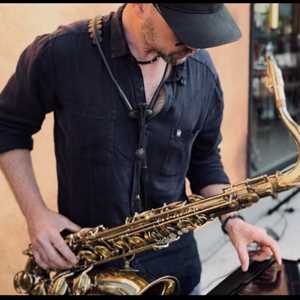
x=243 y=234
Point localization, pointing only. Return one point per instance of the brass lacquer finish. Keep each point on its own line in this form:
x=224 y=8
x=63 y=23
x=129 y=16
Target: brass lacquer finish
x=153 y=230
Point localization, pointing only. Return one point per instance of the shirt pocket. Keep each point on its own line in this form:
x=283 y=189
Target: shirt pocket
x=91 y=137
x=178 y=152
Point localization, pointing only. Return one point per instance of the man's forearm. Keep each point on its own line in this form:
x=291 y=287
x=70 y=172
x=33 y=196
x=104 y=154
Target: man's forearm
x=212 y=190
x=17 y=168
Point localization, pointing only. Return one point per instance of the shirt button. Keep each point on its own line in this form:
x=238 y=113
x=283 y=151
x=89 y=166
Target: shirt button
x=141 y=88
x=182 y=81
x=178 y=132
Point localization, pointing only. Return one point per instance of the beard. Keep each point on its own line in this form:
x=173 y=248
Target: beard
x=150 y=43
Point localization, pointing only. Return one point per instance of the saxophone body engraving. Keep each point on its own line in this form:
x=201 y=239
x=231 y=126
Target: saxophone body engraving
x=154 y=230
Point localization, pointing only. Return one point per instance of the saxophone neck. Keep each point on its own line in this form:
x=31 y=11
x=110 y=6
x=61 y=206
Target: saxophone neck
x=275 y=84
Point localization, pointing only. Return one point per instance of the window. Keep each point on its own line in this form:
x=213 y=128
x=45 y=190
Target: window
x=276 y=30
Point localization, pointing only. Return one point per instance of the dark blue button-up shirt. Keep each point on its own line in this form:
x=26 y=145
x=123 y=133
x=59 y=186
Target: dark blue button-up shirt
x=95 y=140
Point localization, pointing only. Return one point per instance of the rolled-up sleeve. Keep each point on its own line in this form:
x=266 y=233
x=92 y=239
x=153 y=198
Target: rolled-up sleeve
x=206 y=166
x=27 y=96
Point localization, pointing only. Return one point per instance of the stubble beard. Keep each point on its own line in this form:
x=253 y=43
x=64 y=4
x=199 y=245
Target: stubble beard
x=149 y=36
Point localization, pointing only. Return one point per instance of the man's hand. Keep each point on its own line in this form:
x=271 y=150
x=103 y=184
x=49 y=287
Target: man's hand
x=243 y=234
x=48 y=247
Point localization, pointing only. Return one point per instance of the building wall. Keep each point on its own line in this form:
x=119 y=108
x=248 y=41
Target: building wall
x=21 y=23
x=232 y=63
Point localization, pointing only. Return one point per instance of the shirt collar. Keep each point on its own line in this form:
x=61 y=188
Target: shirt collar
x=178 y=74
x=119 y=46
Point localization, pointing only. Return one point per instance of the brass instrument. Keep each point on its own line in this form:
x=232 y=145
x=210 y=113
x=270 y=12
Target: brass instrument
x=153 y=230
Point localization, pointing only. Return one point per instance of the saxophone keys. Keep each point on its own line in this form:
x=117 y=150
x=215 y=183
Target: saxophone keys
x=185 y=226
x=156 y=235
x=88 y=256
x=173 y=237
x=83 y=232
x=160 y=246
x=136 y=241
x=102 y=251
x=200 y=220
x=185 y=230
x=128 y=220
x=175 y=204
x=92 y=233
x=148 y=236
x=179 y=232
x=101 y=228
x=59 y=286
x=39 y=289
x=122 y=245
x=82 y=283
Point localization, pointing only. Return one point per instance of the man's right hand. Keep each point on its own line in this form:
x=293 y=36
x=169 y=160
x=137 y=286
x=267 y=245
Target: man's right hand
x=48 y=247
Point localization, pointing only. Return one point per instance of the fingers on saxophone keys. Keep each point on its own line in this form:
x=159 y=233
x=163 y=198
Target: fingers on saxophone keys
x=54 y=259
x=65 y=251
x=57 y=260
x=39 y=260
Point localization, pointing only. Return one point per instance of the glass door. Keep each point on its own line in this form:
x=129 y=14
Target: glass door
x=276 y=30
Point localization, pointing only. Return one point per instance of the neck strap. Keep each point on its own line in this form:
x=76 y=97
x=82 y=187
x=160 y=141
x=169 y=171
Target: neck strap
x=95 y=29
x=141 y=114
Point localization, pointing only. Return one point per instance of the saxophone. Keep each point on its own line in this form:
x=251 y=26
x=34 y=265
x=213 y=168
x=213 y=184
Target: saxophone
x=153 y=230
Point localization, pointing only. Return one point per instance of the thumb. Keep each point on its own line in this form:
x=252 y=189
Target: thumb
x=243 y=256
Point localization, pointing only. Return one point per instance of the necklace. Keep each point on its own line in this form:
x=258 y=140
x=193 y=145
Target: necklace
x=146 y=62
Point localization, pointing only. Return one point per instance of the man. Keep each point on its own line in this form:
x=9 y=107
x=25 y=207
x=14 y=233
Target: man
x=154 y=53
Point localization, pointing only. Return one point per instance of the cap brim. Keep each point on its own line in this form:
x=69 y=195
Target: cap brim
x=202 y=30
